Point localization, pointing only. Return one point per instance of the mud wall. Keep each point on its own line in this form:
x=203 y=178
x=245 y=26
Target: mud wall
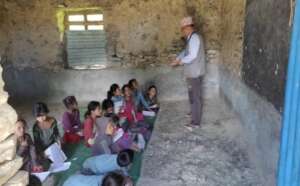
x=140 y=33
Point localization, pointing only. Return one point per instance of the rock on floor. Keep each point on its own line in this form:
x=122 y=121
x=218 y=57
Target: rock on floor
x=209 y=156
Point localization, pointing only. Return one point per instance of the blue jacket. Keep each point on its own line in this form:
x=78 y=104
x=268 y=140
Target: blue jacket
x=139 y=99
x=117 y=98
x=82 y=180
x=101 y=164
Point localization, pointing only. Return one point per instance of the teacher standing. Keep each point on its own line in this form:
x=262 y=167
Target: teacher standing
x=193 y=60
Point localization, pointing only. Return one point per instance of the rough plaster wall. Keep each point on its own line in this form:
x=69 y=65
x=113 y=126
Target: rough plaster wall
x=232 y=32
x=9 y=162
x=144 y=31
x=207 y=14
x=267 y=36
x=139 y=32
x=33 y=30
x=3 y=33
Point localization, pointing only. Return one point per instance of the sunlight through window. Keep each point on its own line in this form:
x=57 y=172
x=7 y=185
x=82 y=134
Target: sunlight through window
x=95 y=17
x=76 y=18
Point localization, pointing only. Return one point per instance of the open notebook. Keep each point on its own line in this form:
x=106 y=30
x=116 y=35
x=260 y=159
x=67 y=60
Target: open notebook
x=58 y=158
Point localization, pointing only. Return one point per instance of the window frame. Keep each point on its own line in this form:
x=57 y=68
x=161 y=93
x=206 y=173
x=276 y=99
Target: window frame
x=86 y=23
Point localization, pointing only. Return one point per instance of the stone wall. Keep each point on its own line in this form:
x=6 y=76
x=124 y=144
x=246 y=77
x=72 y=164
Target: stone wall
x=232 y=34
x=3 y=33
x=9 y=162
x=138 y=32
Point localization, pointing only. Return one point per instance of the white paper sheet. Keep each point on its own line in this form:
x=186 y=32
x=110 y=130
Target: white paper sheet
x=54 y=168
x=154 y=106
x=55 y=154
x=117 y=106
x=42 y=175
x=58 y=157
x=148 y=113
x=141 y=142
x=118 y=135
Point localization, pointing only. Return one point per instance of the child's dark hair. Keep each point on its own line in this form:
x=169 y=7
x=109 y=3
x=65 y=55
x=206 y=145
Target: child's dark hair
x=21 y=120
x=131 y=82
x=40 y=109
x=69 y=100
x=124 y=87
x=112 y=89
x=114 y=179
x=34 y=181
x=125 y=157
x=107 y=103
x=151 y=87
x=91 y=107
x=115 y=120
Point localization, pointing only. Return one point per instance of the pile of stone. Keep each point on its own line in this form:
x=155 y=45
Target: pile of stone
x=9 y=162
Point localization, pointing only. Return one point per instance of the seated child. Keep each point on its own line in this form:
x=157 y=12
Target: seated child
x=105 y=142
x=122 y=139
x=114 y=93
x=71 y=120
x=25 y=148
x=108 y=108
x=134 y=118
x=128 y=110
x=151 y=98
x=138 y=97
x=110 y=179
x=45 y=131
x=89 y=129
x=107 y=162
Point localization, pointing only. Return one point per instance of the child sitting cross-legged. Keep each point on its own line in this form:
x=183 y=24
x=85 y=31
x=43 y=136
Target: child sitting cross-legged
x=25 y=148
x=129 y=110
x=109 y=139
x=115 y=93
x=137 y=94
x=45 y=130
x=151 y=99
x=89 y=129
x=71 y=121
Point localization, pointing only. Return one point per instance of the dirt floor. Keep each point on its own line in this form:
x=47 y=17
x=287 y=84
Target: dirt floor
x=209 y=156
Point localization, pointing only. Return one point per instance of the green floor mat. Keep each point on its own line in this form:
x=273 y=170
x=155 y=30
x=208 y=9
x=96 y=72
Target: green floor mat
x=78 y=153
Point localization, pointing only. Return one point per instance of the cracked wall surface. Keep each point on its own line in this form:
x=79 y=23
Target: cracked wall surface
x=250 y=39
x=232 y=34
x=138 y=32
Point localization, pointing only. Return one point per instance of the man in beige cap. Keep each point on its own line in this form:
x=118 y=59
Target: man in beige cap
x=193 y=60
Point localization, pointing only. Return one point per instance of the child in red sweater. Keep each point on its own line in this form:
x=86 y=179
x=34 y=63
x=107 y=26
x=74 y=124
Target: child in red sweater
x=89 y=129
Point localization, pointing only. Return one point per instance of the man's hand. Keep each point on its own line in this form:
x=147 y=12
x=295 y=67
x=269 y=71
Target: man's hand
x=176 y=63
